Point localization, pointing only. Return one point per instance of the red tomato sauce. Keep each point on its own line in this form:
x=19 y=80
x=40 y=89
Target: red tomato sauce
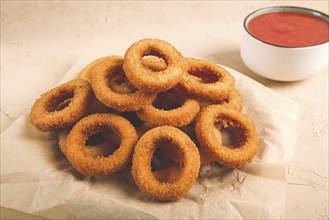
x=290 y=29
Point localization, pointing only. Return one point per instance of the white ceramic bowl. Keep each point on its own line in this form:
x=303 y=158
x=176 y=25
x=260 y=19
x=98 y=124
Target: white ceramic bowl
x=279 y=62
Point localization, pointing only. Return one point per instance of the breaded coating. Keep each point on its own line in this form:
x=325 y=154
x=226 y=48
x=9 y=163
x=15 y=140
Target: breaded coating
x=176 y=116
x=105 y=94
x=245 y=144
x=206 y=80
x=146 y=78
x=62 y=106
x=141 y=164
x=90 y=125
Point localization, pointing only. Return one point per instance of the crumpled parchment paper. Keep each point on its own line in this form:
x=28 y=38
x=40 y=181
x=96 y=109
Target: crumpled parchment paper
x=36 y=178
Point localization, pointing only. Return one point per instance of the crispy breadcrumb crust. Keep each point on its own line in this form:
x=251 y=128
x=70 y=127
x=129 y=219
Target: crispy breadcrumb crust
x=177 y=117
x=239 y=123
x=90 y=125
x=121 y=102
x=214 y=91
x=44 y=115
x=141 y=164
x=102 y=149
x=145 y=78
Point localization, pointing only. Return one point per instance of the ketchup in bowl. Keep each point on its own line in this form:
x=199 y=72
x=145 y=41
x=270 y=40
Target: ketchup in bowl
x=289 y=28
x=285 y=43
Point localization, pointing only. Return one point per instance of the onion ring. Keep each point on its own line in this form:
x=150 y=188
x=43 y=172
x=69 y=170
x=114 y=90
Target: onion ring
x=168 y=152
x=172 y=154
x=179 y=116
x=246 y=141
x=121 y=102
x=206 y=80
x=62 y=106
x=169 y=171
x=146 y=79
x=103 y=149
x=141 y=164
x=90 y=125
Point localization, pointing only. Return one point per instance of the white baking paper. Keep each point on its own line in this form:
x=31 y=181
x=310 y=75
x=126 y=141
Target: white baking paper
x=37 y=179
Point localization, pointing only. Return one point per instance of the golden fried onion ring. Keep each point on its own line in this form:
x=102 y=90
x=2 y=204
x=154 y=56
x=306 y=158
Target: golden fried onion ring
x=176 y=117
x=206 y=80
x=146 y=78
x=104 y=93
x=246 y=140
x=91 y=125
x=141 y=164
x=62 y=106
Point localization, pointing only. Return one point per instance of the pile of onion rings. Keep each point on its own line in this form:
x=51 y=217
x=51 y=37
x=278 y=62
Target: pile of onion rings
x=153 y=115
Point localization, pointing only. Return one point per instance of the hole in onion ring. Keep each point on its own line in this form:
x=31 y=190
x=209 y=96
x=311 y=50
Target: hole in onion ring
x=59 y=102
x=166 y=102
x=204 y=75
x=165 y=163
x=169 y=100
x=95 y=140
x=158 y=162
x=153 y=52
x=232 y=136
x=119 y=83
x=63 y=104
x=102 y=143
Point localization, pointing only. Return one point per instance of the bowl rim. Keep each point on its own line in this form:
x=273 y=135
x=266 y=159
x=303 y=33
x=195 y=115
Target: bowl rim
x=285 y=8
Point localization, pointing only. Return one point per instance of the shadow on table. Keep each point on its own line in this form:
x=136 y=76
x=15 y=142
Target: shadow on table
x=232 y=59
